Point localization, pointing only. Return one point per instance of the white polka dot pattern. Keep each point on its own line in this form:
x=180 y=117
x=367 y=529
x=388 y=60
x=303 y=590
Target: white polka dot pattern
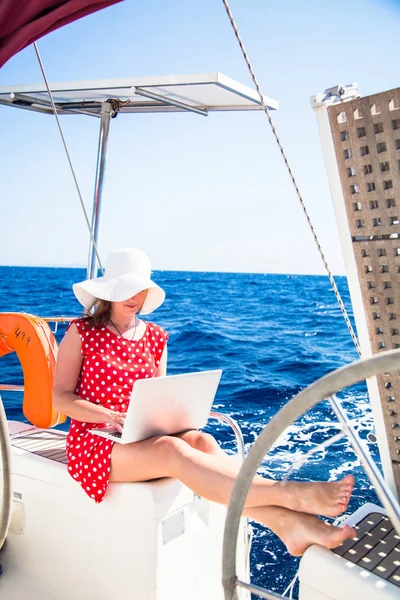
x=111 y=365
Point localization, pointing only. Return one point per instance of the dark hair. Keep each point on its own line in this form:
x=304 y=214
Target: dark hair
x=101 y=314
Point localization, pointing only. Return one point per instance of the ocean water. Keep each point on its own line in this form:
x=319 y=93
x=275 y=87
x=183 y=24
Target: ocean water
x=271 y=334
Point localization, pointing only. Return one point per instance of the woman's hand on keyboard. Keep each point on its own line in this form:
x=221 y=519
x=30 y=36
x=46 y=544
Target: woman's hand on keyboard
x=117 y=419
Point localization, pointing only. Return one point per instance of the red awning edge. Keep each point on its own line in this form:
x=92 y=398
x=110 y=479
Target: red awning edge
x=23 y=22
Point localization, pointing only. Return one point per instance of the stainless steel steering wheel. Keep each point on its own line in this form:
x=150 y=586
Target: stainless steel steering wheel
x=5 y=451
x=321 y=389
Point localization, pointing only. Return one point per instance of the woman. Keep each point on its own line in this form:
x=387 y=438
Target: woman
x=99 y=359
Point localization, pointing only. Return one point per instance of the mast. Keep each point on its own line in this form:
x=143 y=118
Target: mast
x=360 y=139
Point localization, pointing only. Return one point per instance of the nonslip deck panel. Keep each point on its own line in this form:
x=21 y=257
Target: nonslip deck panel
x=48 y=444
x=376 y=548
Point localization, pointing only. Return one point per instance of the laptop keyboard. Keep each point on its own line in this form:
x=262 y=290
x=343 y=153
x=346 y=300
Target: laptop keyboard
x=116 y=434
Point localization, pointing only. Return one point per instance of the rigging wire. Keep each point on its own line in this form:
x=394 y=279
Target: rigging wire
x=299 y=195
x=67 y=153
x=290 y=587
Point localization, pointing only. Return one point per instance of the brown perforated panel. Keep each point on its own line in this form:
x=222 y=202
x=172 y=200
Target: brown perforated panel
x=366 y=135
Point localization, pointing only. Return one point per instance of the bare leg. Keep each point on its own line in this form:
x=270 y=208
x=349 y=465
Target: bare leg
x=212 y=477
x=204 y=442
x=208 y=444
x=299 y=531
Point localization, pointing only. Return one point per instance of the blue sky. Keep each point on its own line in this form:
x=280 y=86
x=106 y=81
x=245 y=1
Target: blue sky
x=194 y=193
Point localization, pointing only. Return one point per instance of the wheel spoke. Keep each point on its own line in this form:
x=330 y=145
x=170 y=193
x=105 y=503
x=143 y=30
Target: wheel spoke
x=384 y=493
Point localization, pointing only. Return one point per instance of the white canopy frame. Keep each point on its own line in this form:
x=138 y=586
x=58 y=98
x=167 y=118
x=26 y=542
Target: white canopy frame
x=104 y=99
x=201 y=93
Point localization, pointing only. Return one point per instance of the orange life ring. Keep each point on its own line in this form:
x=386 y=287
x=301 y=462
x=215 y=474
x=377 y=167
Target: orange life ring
x=33 y=341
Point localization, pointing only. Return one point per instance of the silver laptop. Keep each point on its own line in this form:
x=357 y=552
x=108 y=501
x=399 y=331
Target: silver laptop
x=166 y=405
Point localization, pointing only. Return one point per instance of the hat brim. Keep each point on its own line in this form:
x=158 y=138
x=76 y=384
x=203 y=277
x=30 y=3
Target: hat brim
x=119 y=289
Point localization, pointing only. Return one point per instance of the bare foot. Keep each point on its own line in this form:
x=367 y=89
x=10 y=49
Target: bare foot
x=299 y=531
x=329 y=498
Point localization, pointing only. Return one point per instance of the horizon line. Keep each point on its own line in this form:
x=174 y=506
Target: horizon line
x=79 y=266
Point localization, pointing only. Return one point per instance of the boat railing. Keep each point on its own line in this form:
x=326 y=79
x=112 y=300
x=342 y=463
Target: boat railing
x=247 y=528
x=213 y=415
x=8 y=387
x=58 y=320
x=61 y=319
x=236 y=430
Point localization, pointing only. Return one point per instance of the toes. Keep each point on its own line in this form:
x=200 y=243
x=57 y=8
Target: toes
x=343 y=533
x=346 y=486
x=348 y=532
x=352 y=531
x=349 y=480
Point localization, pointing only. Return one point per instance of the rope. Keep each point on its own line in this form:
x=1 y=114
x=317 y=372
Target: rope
x=278 y=141
x=67 y=153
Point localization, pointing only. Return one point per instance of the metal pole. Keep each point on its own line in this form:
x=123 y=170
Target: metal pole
x=170 y=101
x=98 y=187
x=40 y=102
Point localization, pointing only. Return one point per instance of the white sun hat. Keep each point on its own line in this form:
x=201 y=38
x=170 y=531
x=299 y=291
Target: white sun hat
x=127 y=272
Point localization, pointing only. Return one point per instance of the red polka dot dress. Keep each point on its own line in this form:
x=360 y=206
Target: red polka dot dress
x=111 y=365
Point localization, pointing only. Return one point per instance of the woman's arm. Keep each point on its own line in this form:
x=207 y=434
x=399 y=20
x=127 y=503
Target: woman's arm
x=162 y=366
x=69 y=364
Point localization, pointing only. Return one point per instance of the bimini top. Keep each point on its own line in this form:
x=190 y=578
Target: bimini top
x=170 y=93
x=21 y=26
